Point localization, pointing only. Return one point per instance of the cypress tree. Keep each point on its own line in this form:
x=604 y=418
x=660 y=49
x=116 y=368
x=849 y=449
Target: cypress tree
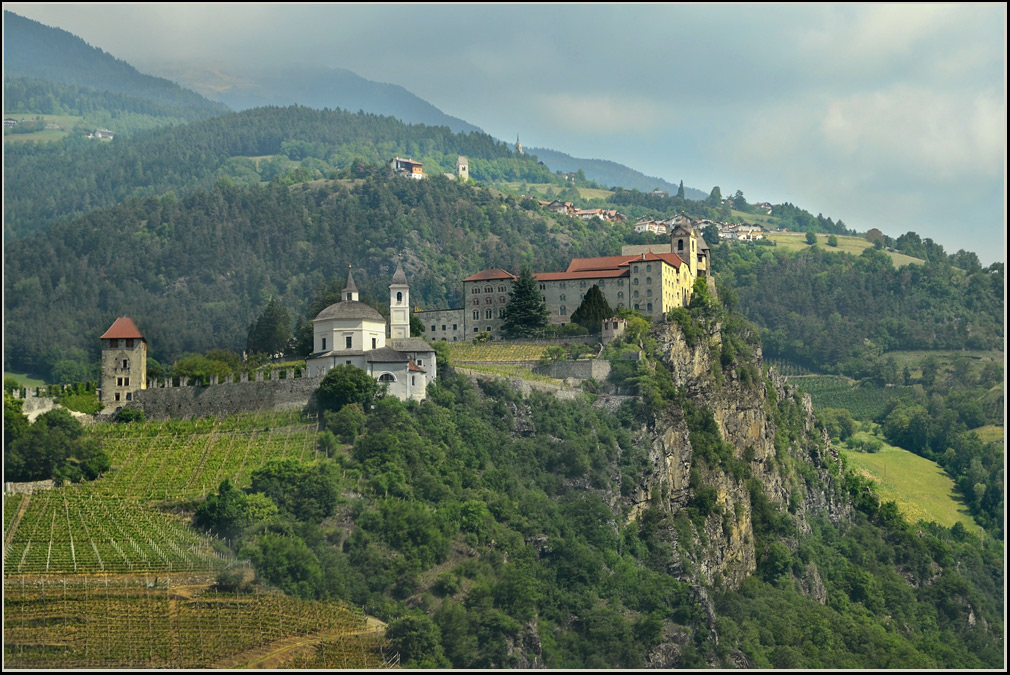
x=526 y=314
x=593 y=310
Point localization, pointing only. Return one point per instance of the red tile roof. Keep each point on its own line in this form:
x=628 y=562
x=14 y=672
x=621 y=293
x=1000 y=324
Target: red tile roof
x=584 y=274
x=490 y=275
x=613 y=262
x=123 y=327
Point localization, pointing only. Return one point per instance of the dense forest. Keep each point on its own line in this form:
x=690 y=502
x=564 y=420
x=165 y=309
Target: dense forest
x=77 y=177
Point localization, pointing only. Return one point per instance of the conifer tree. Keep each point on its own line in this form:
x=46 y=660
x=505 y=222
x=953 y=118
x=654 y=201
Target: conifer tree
x=270 y=332
x=593 y=310
x=526 y=314
x=680 y=190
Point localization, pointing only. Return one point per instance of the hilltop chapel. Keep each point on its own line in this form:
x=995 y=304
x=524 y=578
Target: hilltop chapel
x=352 y=333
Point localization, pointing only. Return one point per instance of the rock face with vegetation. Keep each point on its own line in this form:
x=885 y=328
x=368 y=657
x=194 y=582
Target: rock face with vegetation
x=718 y=447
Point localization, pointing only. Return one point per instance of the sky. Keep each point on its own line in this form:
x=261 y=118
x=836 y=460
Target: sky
x=887 y=115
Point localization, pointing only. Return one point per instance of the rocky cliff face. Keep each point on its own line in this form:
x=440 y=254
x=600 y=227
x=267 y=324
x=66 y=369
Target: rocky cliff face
x=797 y=472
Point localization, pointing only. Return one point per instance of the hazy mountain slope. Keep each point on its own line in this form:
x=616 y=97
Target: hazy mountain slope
x=609 y=173
x=33 y=50
x=315 y=87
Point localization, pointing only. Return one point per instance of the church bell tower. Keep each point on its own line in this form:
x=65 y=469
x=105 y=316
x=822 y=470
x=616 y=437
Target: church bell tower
x=399 y=305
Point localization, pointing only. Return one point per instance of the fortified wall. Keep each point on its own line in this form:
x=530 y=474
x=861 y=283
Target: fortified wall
x=164 y=400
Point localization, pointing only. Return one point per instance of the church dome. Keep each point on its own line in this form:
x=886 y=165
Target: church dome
x=350 y=310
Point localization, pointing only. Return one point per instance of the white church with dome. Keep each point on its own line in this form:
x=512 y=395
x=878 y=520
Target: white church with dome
x=352 y=333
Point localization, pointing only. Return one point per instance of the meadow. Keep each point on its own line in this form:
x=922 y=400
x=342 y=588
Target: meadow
x=921 y=489
x=796 y=241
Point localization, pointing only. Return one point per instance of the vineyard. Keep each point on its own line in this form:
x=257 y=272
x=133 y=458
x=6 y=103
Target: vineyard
x=96 y=576
x=495 y=352
x=183 y=460
x=98 y=622
x=864 y=401
x=68 y=531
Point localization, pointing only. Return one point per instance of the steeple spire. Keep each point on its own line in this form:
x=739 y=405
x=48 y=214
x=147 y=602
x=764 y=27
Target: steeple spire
x=399 y=304
x=350 y=291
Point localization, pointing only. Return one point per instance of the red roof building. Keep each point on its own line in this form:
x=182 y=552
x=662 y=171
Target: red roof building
x=123 y=327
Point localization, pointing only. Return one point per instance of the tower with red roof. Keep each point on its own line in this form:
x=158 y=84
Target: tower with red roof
x=124 y=363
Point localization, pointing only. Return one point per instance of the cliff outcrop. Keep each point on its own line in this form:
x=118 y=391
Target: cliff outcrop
x=733 y=438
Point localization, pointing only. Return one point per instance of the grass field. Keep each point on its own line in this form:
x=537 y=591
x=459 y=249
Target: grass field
x=920 y=487
x=25 y=379
x=991 y=434
x=66 y=121
x=796 y=241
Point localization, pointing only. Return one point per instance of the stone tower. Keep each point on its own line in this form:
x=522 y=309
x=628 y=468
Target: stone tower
x=399 y=305
x=519 y=146
x=462 y=168
x=124 y=363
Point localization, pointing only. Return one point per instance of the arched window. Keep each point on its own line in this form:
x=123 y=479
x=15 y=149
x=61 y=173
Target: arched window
x=488 y=301
x=650 y=307
x=636 y=294
x=502 y=299
x=648 y=268
x=399 y=297
x=387 y=377
x=476 y=314
x=562 y=297
x=648 y=280
x=564 y=311
x=487 y=314
x=635 y=282
x=648 y=293
x=476 y=301
x=680 y=244
x=620 y=294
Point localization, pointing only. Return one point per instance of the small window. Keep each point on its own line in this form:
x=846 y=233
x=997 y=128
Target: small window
x=117 y=396
x=476 y=314
x=501 y=300
x=476 y=301
x=635 y=294
x=126 y=364
x=129 y=343
x=347 y=342
x=488 y=329
x=119 y=382
x=648 y=268
x=648 y=293
x=582 y=284
x=386 y=377
x=488 y=301
x=635 y=282
x=562 y=297
x=680 y=244
x=373 y=343
x=129 y=396
x=348 y=297
x=543 y=287
x=454 y=326
x=399 y=297
x=487 y=314
x=126 y=382
x=648 y=280
x=475 y=329
x=562 y=284
x=324 y=345
x=650 y=307
x=413 y=380
x=433 y=328
x=620 y=294
x=420 y=362
x=564 y=311
x=443 y=327
x=636 y=305
x=347 y=362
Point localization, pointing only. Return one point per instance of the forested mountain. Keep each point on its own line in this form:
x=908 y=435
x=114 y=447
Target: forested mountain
x=315 y=87
x=195 y=270
x=835 y=312
x=610 y=173
x=37 y=52
x=74 y=177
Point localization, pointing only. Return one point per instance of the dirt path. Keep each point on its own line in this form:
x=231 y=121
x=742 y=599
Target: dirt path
x=274 y=654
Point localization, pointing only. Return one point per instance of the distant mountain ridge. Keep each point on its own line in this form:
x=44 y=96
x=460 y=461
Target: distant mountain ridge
x=314 y=87
x=611 y=174
x=39 y=52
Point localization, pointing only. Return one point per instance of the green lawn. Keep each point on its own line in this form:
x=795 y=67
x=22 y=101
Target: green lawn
x=796 y=241
x=66 y=121
x=921 y=489
x=25 y=380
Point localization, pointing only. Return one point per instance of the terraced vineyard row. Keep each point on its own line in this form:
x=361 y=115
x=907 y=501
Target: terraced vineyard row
x=68 y=531
x=86 y=622
x=155 y=461
x=468 y=352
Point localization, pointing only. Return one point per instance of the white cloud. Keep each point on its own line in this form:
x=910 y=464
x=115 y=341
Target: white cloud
x=919 y=131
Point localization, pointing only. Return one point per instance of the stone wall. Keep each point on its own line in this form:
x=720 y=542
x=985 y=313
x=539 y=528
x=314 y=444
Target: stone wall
x=229 y=398
x=28 y=488
x=598 y=369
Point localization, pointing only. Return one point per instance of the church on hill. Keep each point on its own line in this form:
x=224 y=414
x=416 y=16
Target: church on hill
x=353 y=333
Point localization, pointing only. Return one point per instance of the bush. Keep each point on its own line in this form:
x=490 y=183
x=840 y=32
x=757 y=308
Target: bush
x=129 y=415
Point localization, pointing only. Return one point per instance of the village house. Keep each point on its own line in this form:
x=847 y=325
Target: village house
x=407 y=167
